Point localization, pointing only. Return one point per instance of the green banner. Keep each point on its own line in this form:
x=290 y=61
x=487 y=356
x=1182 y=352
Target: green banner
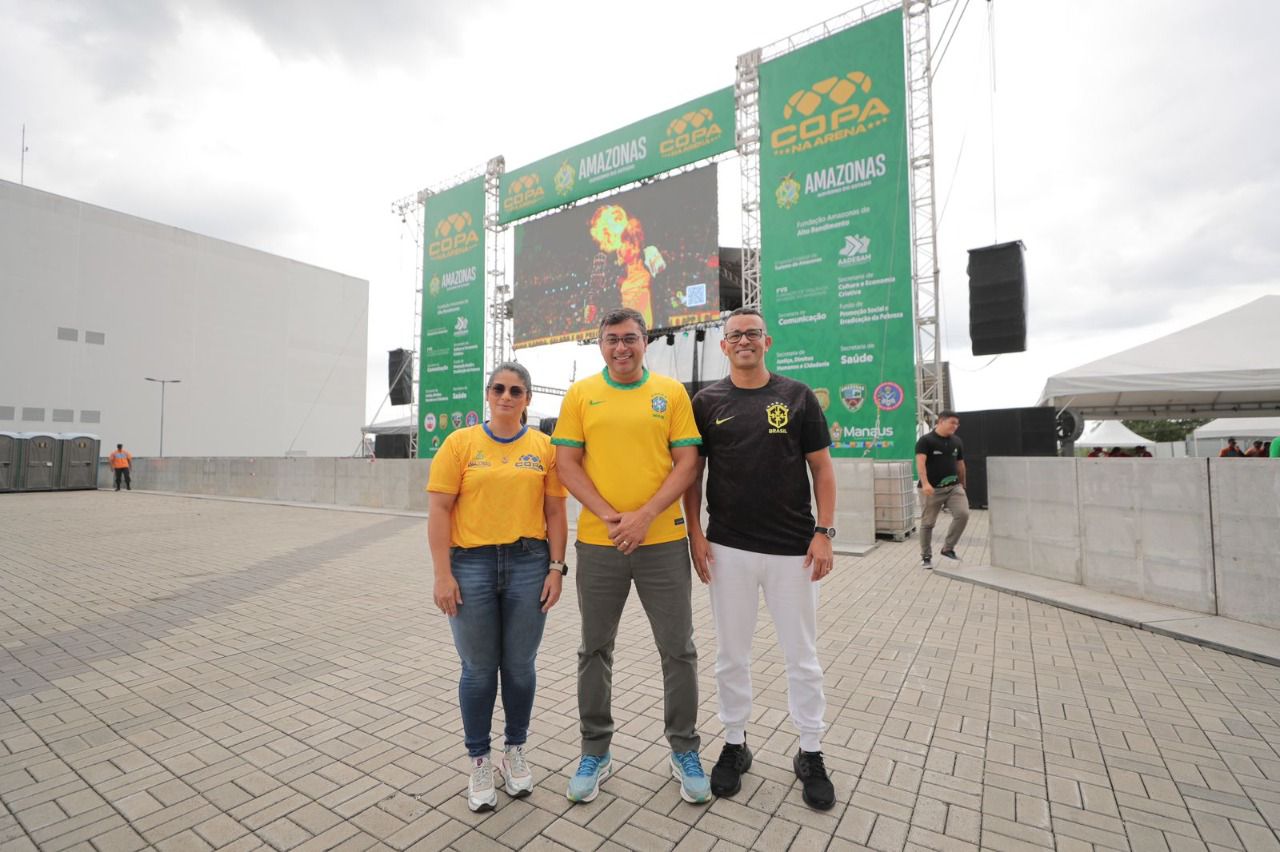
x=835 y=270
x=693 y=131
x=451 y=354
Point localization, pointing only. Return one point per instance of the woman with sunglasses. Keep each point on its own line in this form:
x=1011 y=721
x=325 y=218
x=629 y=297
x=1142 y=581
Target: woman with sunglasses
x=497 y=529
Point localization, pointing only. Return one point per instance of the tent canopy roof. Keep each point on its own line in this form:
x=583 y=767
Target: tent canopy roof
x=1244 y=428
x=1111 y=433
x=1227 y=365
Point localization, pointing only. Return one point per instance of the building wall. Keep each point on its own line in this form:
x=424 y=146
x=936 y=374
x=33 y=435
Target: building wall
x=271 y=352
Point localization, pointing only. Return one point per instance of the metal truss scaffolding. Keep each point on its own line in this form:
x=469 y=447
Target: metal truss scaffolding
x=496 y=265
x=930 y=391
x=747 y=96
x=924 y=269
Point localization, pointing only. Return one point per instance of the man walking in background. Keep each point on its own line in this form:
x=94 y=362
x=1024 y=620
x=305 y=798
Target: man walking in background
x=762 y=436
x=122 y=466
x=940 y=466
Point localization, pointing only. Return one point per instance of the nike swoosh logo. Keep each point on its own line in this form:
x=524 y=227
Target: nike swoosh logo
x=595 y=402
x=725 y=420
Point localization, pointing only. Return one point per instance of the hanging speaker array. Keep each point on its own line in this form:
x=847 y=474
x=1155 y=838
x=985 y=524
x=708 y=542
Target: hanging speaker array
x=998 y=299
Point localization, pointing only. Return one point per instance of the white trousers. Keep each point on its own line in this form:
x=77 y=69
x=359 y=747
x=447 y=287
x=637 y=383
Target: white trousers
x=737 y=577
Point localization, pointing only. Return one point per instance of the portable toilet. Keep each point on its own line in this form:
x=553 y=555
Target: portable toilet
x=40 y=454
x=79 y=464
x=10 y=460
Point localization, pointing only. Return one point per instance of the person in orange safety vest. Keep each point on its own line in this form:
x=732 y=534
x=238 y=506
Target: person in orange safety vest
x=122 y=464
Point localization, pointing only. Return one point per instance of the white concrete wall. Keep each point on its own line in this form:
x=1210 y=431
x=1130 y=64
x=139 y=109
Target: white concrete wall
x=1146 y=530
x=382 y=484
x=271 y=352
x=1246 y=522
x=1199 y=534
x=855 y=505
x=1034 y=519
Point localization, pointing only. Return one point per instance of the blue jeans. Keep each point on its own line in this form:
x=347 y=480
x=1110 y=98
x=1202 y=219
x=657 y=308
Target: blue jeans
x=497 y=631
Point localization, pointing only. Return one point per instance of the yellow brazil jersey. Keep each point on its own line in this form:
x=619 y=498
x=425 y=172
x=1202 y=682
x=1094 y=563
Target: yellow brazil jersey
x=627 y=432
x=500 y=484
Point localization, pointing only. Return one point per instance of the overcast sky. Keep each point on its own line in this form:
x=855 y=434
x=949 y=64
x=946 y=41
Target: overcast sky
x=1134 y=147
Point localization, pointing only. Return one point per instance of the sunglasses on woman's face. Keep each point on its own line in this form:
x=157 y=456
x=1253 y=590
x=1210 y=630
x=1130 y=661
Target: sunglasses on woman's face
x=498 y=389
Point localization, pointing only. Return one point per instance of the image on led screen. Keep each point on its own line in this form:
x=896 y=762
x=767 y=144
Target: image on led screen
x=653 y=248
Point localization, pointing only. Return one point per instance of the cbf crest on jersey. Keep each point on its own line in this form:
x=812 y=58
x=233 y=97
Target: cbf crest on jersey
x=658 y=402
x=778 y=416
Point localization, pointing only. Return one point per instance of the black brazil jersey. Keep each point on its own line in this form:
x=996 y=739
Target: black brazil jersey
x=755 y=441
x=940 y=457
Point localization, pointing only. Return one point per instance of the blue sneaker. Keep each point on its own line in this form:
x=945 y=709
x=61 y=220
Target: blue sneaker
x=695 y=787
x=585 y=783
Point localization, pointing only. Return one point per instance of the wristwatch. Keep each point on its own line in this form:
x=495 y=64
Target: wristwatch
x=829 y=532
x=562 y=568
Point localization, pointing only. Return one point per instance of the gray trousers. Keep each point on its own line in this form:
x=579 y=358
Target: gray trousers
x=954 y=498
x=663 y=579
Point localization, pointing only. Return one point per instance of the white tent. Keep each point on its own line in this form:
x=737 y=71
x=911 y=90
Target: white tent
x=1228 y=365
x=1240 y=428
x=1111 y=433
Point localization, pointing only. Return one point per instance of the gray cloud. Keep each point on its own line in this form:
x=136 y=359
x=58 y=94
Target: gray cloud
x=361 y=34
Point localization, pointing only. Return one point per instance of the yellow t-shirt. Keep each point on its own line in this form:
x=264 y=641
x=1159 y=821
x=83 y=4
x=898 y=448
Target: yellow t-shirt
x=627 y=433
x=500 y=484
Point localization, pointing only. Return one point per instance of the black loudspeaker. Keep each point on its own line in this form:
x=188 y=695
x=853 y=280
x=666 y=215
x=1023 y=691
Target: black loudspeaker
x=391 y=446
x=998 y=299
x=400 y=376
x=1003 y=432
x=547 y=425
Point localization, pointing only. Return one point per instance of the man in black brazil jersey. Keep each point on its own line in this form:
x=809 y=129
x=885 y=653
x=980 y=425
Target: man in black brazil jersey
x=762 y=435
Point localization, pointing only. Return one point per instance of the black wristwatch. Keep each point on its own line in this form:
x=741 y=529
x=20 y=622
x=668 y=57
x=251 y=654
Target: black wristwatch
x=559 y=567
x=829 y=532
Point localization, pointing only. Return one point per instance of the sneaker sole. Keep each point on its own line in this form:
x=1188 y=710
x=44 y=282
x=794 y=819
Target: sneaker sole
x=595 y=791
x=483 y=804
x=518 y=791
x=684 y=794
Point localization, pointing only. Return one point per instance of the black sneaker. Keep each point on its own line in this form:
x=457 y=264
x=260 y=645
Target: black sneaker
x=726 y=775
x=951 y=554
x=818 y=792
x=926 y=562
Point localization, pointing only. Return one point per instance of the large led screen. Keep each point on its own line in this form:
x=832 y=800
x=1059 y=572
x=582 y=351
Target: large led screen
x=653 y=248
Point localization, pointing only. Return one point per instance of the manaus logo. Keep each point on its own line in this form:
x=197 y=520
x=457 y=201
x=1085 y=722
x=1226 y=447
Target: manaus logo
x=691 y=131
x=788 y=193
x=828 y=111
x=453 y=235
x=524 y=191
x=564 y=178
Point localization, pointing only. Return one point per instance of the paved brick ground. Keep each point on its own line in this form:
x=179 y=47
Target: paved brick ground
x=189 y=674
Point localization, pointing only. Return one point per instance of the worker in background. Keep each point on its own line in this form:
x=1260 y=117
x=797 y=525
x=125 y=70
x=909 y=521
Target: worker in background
x=122 y=465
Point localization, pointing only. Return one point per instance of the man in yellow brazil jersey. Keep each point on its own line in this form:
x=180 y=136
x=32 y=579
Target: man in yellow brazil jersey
x=627 y=449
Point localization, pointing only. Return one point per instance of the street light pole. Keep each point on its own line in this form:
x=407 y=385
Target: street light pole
x=162 y=383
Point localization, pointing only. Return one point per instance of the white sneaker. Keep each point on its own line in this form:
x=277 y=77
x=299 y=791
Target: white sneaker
x=516 y=770
x=481 y=795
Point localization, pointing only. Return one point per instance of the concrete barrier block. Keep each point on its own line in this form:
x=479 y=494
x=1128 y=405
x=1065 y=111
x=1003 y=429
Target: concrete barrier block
x=1147 y=530
x=1245 y=495
x=1034 y=519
